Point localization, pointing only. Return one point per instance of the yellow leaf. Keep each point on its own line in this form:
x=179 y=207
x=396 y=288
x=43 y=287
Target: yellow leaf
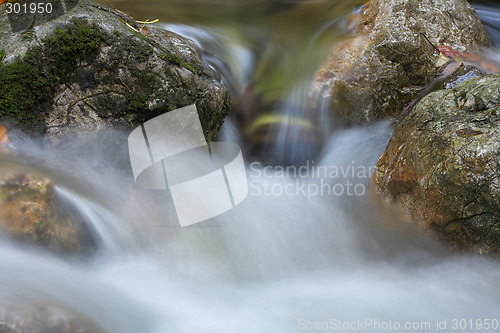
x=443 y=60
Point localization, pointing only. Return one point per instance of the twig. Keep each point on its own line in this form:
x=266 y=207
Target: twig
x=119 y=11
x=148 y=21
x=131 y=27
x=435 y=48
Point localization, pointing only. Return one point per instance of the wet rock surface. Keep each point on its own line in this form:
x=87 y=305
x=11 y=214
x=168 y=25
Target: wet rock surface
x=32 y=212
x=88 y=70
x=389 y=61
x=44 y=318
x=442 y=164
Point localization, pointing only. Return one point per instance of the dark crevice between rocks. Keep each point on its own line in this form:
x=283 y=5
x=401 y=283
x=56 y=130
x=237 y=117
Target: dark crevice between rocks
x=470 y=232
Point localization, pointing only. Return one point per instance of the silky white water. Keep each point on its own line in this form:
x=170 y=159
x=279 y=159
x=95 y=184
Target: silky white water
x=290 y=258
x=274 y=263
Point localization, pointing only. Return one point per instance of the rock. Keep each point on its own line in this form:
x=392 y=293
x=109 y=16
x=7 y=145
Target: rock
x=380 y=69
x=3 y=136
x=44 y=318
x=32 y=212
x=461 y=74
x=4 y=328
x=87 y=70
x=442 y=163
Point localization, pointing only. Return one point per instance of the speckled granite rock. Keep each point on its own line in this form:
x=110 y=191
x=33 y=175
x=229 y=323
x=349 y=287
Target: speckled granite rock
x=32 y=212
x=388 y=61
x=86 y=70
x=442 y=164
x=44 y=318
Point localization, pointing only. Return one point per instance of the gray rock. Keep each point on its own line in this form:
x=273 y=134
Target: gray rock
x=388 y=61
x=4 y=328
x=442 y=164
x=44 y=317
x=462 y=74
x=87 y=70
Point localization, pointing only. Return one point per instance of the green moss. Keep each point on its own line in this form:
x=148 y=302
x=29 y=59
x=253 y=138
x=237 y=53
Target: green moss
x=136 y=101
x=133 y=48
x=2 y=54
x=39 y=231
x=28 y=85
x=147 y=81
x=69 y=44
x=140 y=36
x=23 y=90
x=179 y=62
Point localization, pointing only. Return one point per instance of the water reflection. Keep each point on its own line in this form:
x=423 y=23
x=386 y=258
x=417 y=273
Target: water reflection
x=273 y=49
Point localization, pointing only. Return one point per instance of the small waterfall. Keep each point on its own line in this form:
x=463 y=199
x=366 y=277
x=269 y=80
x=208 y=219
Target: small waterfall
x=296 y=255
x=297 y=251
x=489 y=13
x=98 y=218
x=270 y=67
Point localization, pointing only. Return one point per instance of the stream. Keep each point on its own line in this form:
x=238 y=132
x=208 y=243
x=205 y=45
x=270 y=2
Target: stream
x=299 y=261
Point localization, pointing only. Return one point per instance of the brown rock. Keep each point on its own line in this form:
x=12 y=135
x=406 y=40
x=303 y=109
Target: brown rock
x=32 y=212
x=3 y=136
x=383 y=67
x=442 y=163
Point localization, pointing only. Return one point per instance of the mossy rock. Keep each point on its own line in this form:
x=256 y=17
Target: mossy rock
x=87 y=70
x=388 y=61
x=442 y=164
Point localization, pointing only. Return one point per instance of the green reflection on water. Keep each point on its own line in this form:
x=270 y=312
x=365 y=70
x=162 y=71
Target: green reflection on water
x=288 y=38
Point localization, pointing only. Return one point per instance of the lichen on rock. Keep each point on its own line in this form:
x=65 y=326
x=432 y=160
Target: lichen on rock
x=442 y=164
x=87 y=70
x=388 y=60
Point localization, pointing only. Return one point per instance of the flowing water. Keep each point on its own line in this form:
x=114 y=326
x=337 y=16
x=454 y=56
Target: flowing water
x=282 y=261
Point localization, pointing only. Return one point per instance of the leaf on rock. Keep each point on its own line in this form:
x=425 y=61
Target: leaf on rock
x=488 y=66
x=144 y=30
x=467 y=132
x=449 y=52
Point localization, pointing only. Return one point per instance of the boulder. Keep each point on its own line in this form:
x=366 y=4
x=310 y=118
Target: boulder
x=93 y=67
x=5 y=328
x=442 y=162
x=390 y=58
x=43 y=318
x=33 y=213
x=462 y=73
